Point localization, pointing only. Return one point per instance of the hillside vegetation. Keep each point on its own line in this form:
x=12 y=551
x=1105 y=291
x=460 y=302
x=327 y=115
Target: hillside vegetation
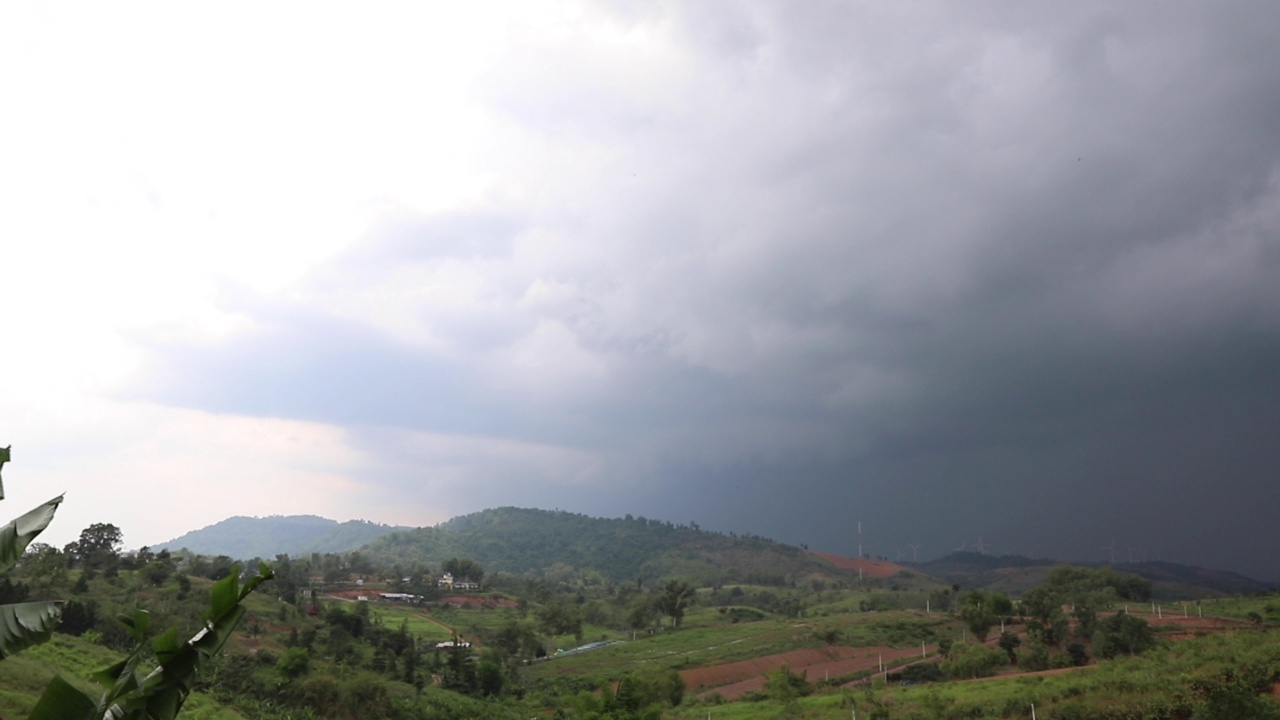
x=1014 y=575
x=266 y=537
x=519 y=541
x=345 y=636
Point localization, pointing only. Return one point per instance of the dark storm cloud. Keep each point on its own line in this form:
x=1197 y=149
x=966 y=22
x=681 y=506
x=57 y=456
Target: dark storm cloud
x=998 y=270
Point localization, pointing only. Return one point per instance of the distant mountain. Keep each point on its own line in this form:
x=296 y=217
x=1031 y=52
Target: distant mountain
x=1014 y=574
x=519 y=541
x=553 y=543
x=1183 y=581
x=249 y=537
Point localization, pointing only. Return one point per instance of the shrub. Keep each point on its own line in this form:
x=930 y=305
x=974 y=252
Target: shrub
x=294 y=663
x=972 y=661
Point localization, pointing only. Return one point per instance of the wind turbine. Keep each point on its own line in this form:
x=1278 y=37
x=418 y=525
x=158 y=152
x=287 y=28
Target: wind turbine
x=1111 y=549
x=981 y=548
x=914 y=548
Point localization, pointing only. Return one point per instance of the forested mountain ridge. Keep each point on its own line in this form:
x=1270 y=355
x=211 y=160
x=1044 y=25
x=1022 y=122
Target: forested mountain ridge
x=520 y=540
x=265 y=537
x=1014 y=574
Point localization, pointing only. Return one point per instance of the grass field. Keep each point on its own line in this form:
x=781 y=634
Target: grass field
x=706 y=640
x=23 y=677
x=1167 y=682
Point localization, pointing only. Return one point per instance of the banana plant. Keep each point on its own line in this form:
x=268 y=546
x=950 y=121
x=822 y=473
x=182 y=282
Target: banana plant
x=131 y=693
x=24 y=624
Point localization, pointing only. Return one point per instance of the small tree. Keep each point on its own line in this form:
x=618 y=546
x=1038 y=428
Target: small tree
x=1009 y=643
x=640 y=614
x=972 y=661
x=784 y=686
x=677 y=595
x=1122 y=633
x=978 y=614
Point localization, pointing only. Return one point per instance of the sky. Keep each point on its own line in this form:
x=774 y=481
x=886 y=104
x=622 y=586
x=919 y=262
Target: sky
x=990 y=273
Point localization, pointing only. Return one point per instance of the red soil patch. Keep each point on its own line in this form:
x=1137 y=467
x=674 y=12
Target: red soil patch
x=870 y=568
x=731 y=680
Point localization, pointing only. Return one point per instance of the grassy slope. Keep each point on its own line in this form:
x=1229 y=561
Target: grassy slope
x=707 y=639
x=24 y=677
x=1171 y=679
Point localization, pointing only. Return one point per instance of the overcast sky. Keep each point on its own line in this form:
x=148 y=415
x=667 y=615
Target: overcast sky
x=994 y=271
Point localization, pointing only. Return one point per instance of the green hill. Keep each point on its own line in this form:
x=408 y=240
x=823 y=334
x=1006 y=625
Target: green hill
x=519 y=541
x=249 y=537
x=1014 y=574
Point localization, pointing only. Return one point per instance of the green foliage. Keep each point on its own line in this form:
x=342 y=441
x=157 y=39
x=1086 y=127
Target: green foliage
x=294 y=663
x=98 y=547
x=676 y=597
x=978 y=614
x=131 y=693
x=1009 y=644
x=517 y=540
x=641 y=614
x=1122 y=633
x=463 y=569
x=1079 y=656
x=490 y=678
x=639 y=695
x=560 y=619
x=922 y=672
x=1235 y=694
x=516 y=639
x=27 y=623
x=1072 y=582
x=1034 y=657
x=784 y=685
x=1087 y=591
x=972 y=661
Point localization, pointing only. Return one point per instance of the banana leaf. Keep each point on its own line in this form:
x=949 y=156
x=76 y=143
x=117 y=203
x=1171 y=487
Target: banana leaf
x=25 y=624
x=16 y=535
